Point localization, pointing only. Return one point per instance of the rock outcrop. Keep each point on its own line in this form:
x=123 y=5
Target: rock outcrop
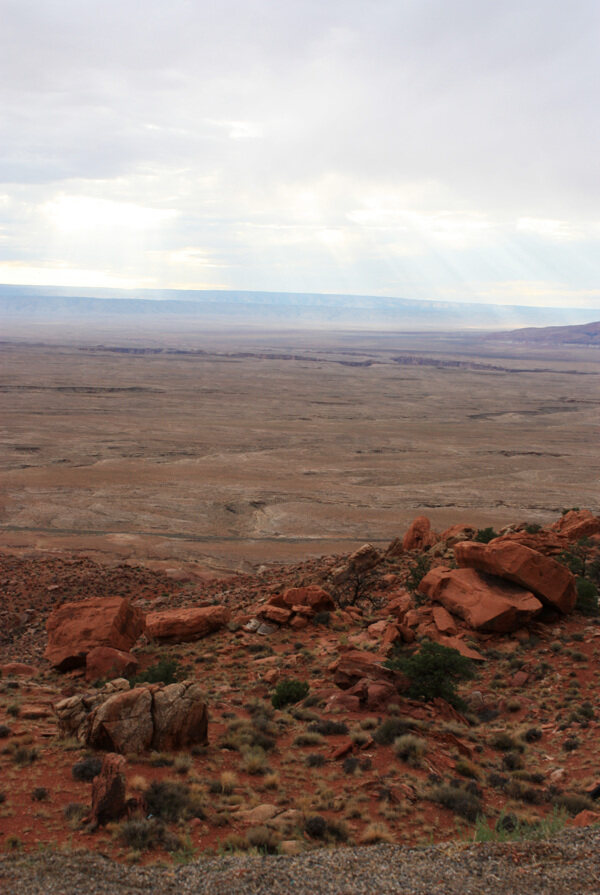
x=419 y=535
x=181 y=625
x=76 y=628
x=576 y=524
x=121 y=720
x=106 y=663
x=485 y=603
x=108 y=791
x=552 y=582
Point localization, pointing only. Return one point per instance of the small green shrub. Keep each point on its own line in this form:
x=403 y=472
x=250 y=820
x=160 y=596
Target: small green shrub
x=86 y=769
x=509 y=829
x=289 y=691
x=485 y=535
x=5 y=731
x=434 y=671
x=39 y=794
x=392 y=728
x=573 y=802
x=462 y=801
x=328 y=728
x=142 y=834
x=587 y=597
x=417 y=572
x=165 y=671
x=263 y=840
x=410 y=749
x=167 y=801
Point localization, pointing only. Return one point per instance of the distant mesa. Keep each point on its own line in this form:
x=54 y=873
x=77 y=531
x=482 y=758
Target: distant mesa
x=586 y=334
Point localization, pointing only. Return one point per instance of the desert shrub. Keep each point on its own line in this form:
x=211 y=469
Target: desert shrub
x=532 y=735
x=142 y=834
x=74 y=813
x=410 y=749
x=573 y=802
x=533 y=528
x=466 y=768
x=518 y=790
x=314 y=760
x=241 y=734
x=376 y=832
x=416 y=572
x=87 y=768
x=254 y=761
x=2 y=796
x=23 y=755
x=289 y=691
x=434 y=671
x=512 y=761
x=14 y=709
x=328 y=728
x=5 y=731
x=505 y=742
x=322 y=618
x=571 y=744
x=316 y=826
x=308 y=739
x=39 y=794
x=165 y=671
x=263 y=840
x=463 y=802
x=350 y=764
x=167 y=800
x=390 y=729
x=587 y=597
x=485 y=535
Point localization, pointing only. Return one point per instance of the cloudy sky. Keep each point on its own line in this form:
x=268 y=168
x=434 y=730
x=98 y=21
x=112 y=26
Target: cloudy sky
x=435 y=149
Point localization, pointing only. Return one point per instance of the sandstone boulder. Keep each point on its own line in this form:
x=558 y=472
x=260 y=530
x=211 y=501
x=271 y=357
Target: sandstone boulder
x=356 y=665
x=485 y=603
x=108 y=791
x=457 y=533
x=104 y=662
x=362 y=560
x=76 y=628
x=419 y=535
x=180 y=717
x=552 y=582
x=577 y=524
x=312 y=597
x=181 y=625
x=131 y=721
x=123 y=723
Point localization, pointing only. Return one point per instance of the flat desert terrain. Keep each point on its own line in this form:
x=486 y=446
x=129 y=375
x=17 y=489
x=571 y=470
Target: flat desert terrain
x=224 y=452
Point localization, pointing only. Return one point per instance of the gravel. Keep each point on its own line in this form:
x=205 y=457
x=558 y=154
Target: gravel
x=567 y=863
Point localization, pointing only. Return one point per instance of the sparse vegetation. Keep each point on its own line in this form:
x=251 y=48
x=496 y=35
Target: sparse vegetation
x=288 y=692
x=434 y=671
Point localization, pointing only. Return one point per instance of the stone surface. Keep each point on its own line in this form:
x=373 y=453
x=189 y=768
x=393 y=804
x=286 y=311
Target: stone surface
x=123 y=723
x=419 y=535
x=108 y=791
x=484 y=603
x=180 y=716
x=118 y=719
x=181 y=625
x=312 y=596
x=457 y=533
x=104 y=662
x=552 y=582
x=362 y=560
x=276 y=614
x=76 y=628
x=577 y=524
x=443 y=621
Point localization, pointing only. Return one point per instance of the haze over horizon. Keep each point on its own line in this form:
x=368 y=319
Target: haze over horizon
x=429 y=150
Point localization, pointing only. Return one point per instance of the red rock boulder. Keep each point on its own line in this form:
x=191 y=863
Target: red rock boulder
x=76 y=628
x=108 y=791
x=105 y=663
x=577 y=524
x=312 y=597
x=552 y=582
x=419 y=535
x=485 y=603
x=181 y=625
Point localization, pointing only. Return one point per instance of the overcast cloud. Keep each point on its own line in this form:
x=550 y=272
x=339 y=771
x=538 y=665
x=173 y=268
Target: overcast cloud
x=442 y=149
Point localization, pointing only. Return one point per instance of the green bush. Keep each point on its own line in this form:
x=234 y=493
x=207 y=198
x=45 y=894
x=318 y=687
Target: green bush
x=166 y=671
x=167 y=801
x=485 y=535
x=289 y=691
x=417 y=572
x=434 y=672
x=463 y=802
x=587 y=597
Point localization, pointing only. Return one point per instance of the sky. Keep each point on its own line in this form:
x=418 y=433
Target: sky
x=428 y=149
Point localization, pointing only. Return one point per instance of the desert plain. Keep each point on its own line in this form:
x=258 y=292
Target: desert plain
x=224 y=451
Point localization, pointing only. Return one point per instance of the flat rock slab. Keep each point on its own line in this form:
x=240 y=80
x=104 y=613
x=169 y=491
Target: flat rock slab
x=483 y=602
x=181 y=625
x=548 y=579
